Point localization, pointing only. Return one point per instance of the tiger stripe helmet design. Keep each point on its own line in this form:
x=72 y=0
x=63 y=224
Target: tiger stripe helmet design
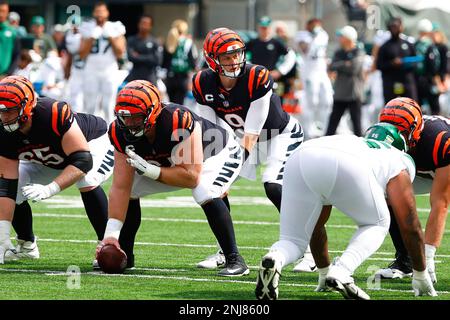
x=224 y=41
x=16 y=95
x=138 y=105
x=406 y=115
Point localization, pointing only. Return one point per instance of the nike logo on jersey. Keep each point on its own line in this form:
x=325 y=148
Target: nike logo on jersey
x=267 y=84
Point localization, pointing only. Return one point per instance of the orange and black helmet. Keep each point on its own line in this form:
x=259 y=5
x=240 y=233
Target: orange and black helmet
x=406 y=115
x=16 y=94
x=138 y=105
x=223 y=41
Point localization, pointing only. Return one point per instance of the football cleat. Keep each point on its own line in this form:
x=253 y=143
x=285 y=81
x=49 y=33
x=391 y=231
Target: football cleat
x=214 y=261
x=235 y=266
x=7 y=253
x=24 y=250
x=268 y=278
x=339 y=279
x=397 y=269
x=306 y=264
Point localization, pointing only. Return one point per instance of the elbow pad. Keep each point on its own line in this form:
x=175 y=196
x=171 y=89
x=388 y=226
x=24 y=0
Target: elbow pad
x=8 y=188
x=81 y=159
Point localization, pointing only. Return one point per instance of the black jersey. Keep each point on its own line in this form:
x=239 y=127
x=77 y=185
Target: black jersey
x=433 y=148
x=174 y=124
x=266 y=53
x=51 y=119
x=233 y=105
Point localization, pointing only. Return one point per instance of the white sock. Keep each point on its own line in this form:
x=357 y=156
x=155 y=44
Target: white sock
x=430 y=251
x=5 y=231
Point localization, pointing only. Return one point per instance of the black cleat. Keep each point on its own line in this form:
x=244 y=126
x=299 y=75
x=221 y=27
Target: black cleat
x=235 y=266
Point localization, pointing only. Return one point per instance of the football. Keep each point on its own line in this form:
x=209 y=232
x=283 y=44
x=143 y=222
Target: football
x=111 y=259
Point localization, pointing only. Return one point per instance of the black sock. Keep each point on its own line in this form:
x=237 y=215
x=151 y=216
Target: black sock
x=23 y=221
x=227 y=203
x=273 y=192
x=96 y=206
x=221 y=224
x=400 y=250
x=130 y=228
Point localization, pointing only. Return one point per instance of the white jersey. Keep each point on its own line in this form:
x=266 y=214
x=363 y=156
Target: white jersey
x=101 y=56
x=386 y=161
x=73 y=43
x=316 y=58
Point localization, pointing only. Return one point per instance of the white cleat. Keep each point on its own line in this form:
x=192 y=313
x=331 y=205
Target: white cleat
x=339 y=279
x=7 y=253
x=24 y=250
x=268 y=278
x=214 y=261
x=306 y=264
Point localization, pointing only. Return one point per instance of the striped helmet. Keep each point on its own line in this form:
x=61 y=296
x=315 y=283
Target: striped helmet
x=16 y=95
x=224 y=41
x=406 y=115
x=138 y=105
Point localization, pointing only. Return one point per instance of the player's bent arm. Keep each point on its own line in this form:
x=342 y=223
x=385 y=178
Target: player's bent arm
x=188 y=157
x=85 y=47
x=9 y=175
x=75 y=146
x=255 y=120
x=119 y=46
x=401 y=198
x=439 y=201
x=120 y=191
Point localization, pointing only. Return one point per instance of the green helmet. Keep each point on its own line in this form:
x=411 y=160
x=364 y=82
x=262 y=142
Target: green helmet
x=388 y=133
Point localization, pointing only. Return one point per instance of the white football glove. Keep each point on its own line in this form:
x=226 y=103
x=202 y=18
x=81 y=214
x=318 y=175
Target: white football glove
x=37 y=192
x=422 y=284
x=142 y=167
x=431 y=269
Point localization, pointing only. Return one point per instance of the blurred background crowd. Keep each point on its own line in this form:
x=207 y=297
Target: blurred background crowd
x=327 y=57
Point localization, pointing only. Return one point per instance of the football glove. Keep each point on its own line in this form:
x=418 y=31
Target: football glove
x=422 y=284
x=431 y=269
x=37 y=192
x=142 y=167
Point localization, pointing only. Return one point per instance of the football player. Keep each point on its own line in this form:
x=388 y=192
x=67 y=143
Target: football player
x=240 y=95
x=45 y=148
x=354 y=175
x=103 y=43
x=428 y=139
x=165 y=147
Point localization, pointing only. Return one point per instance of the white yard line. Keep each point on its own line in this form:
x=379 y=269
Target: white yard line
x=212 y=246
x=178 y=278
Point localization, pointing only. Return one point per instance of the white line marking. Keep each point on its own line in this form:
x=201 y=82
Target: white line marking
x=236 y=222
x=213 y=246
x=98 y=274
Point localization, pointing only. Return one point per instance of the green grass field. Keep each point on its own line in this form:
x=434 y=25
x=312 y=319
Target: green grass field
x=173 y=236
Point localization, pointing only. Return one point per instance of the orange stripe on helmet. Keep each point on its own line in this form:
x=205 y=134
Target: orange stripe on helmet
x=114 y=136
x=55 y=118
x=251 y=79
x=437 y=143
